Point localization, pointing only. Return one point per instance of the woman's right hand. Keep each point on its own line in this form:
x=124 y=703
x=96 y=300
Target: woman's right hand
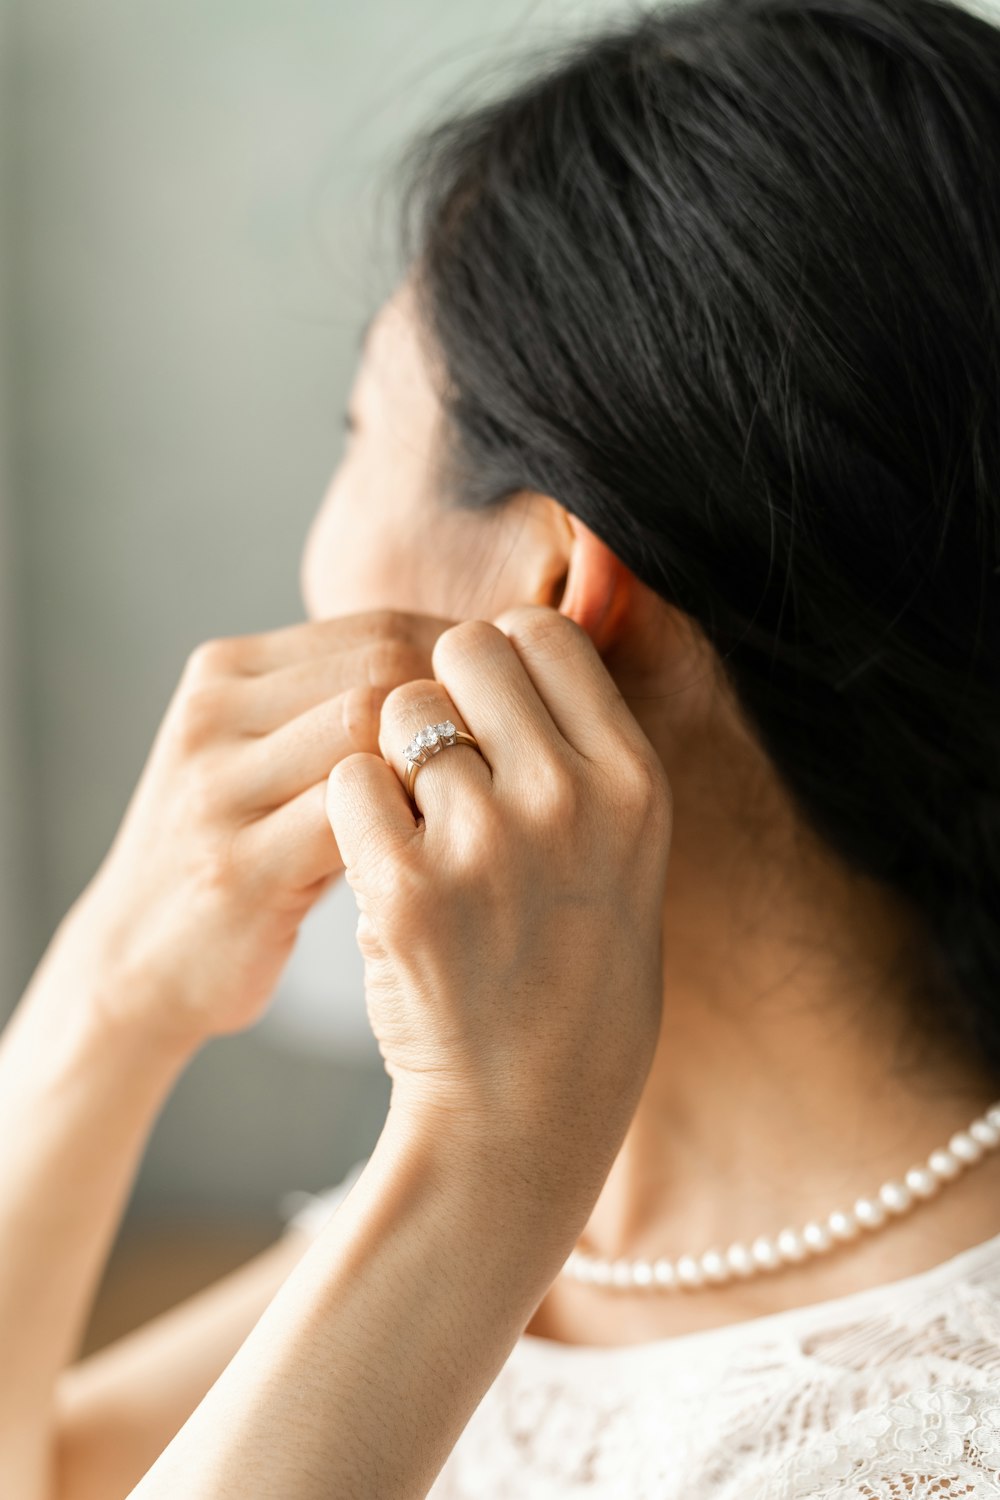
x=225 y=844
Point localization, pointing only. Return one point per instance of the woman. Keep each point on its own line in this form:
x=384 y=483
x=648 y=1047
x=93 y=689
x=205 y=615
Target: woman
x=673 y=486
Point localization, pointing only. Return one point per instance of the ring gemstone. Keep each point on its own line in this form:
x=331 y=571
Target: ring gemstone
x=428 y=738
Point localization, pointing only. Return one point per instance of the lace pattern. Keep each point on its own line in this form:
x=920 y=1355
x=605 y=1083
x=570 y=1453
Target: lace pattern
x=887 y=1394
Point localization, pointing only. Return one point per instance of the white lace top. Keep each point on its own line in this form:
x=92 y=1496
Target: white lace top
x=892 y=1393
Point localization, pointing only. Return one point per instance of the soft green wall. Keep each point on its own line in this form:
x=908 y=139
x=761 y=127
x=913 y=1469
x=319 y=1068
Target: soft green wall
x=190 y=254
x=18 y=883
x=187 y=249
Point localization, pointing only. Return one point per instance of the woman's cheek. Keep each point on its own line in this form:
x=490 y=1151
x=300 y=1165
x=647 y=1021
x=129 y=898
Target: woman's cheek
x=346 y=570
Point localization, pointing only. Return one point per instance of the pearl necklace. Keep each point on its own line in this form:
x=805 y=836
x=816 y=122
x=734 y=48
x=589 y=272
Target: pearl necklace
x=793 y=1245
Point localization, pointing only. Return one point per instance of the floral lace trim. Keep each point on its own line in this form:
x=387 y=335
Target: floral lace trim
x=930 y=1442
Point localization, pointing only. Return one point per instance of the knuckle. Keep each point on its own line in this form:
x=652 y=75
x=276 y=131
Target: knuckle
x=390 y=661
x=361 y=707
x=202 y=711
x=202 y=796
x=411 y=697
x=394 y=885
x=212 y=658
x=541 y=625
x=389 y=625
x=644 y=781
x=345 y=772
x=553 y=792
x=220 y=867
x=367 y=938
x=462 y=638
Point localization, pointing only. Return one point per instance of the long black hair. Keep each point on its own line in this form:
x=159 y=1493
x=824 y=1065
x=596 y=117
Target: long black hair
x=724 y=279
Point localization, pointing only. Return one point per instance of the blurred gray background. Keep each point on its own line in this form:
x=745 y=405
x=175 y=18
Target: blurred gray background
x=189 y=245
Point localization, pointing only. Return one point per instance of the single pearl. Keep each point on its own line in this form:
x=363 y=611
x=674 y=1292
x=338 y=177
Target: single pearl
x=817 y=1237
x=642 y=1273
x=621 y=1273
x=791 y=1245
x=739 y=1260
x=714 y=1266
x=895 y=1196
x=993 y=1115
x=922 y=1182
x=583 y=1270
x=689 y=1272
x=869 y=1212
x=985 y=1133
x=944 y=1165
x=964 y=1147
x=765 y=1253
x=600 y=1273
x=842 y=1224
x=664 y=1273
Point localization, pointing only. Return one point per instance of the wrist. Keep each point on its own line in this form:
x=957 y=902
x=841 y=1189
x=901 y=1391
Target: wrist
x=465 y=1211
x=82 y=976
x=504 y=1172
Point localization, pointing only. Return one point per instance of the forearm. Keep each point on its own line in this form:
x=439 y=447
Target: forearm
x=364 y=1369
x=78 y=1097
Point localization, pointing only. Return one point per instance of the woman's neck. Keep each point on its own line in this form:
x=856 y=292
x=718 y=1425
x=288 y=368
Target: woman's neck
x=789 y=1078
x=777 y=1094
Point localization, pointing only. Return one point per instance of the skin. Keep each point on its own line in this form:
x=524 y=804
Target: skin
x=756 y=1080
x=786 y=1080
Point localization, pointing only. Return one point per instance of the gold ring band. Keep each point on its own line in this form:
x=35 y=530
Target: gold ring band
x=430 y=741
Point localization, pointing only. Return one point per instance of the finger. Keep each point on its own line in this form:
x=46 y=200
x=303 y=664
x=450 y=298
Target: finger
x=274 y=768
x=580 y=695
x=271 y=650
x=264 y=703
x=482 y=673
x=294 y=845
x=368 y=809
x=449 y=769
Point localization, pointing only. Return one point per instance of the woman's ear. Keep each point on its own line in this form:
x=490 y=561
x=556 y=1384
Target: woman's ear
x=598 y=585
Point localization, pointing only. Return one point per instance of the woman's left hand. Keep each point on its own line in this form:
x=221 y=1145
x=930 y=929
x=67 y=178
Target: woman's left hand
x=512 y=927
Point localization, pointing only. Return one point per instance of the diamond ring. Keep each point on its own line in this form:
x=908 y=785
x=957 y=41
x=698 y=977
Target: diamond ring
x=430 y=741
